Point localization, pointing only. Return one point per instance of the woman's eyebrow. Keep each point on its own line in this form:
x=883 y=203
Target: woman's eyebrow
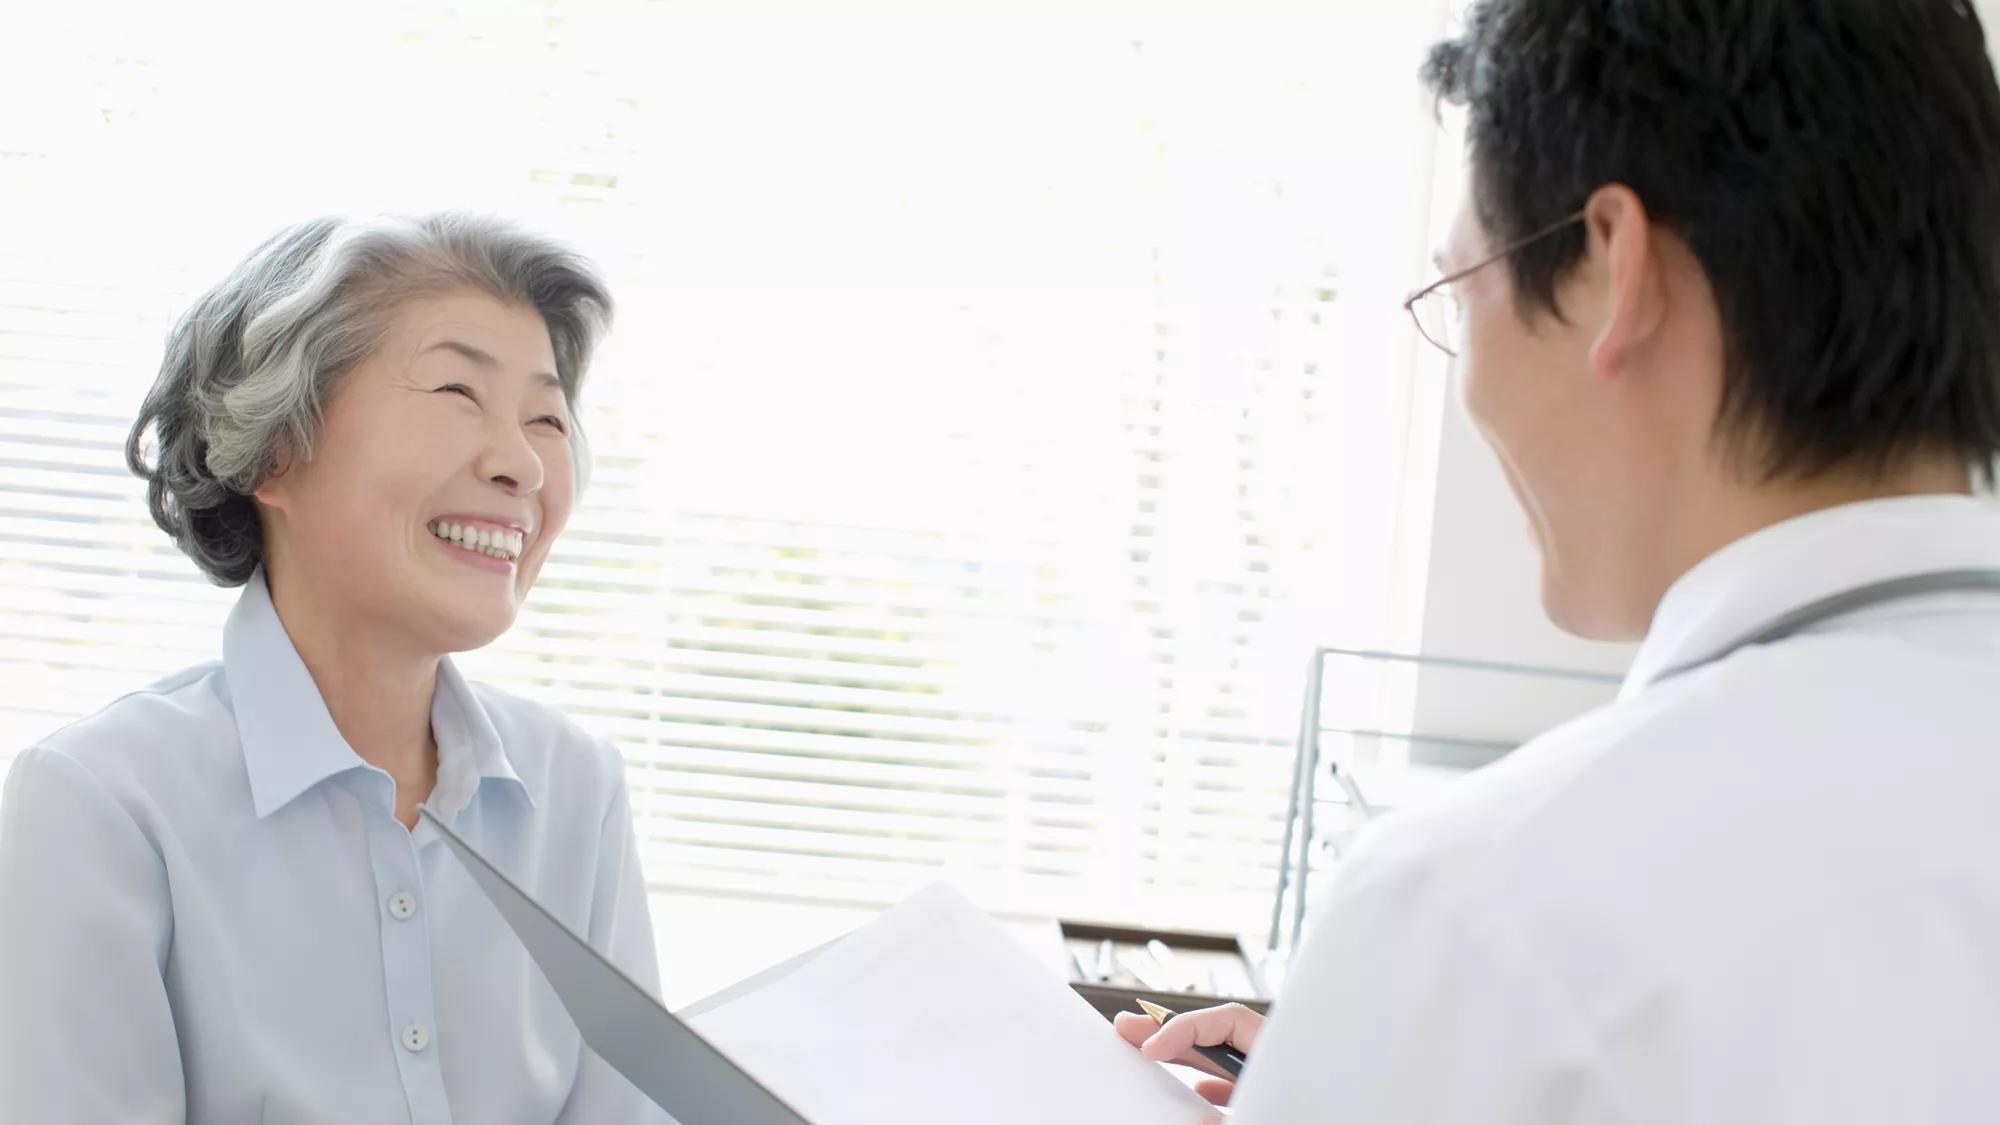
x=486 y=359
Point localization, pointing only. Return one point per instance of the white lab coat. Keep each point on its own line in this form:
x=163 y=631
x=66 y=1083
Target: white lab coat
x=1764 y=891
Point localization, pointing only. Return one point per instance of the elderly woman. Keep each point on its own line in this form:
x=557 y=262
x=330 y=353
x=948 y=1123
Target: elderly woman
x=217 y=901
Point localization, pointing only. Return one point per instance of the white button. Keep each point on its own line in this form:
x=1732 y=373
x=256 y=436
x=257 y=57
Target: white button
x=416 y=1037
x=402 y=905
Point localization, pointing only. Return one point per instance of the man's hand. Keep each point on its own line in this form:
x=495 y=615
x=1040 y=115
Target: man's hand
x=1231 y=1024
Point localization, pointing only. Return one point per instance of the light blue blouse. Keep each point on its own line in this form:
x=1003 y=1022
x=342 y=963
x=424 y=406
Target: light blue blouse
x=209 y=913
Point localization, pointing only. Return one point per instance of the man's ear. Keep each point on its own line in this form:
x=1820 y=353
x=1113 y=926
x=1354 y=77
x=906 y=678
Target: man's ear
x=1621 y=237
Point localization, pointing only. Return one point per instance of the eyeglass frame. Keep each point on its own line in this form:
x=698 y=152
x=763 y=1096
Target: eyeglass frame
x=1410 y=303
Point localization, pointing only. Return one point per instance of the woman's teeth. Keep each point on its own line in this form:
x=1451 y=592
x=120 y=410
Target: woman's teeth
x=505 y=545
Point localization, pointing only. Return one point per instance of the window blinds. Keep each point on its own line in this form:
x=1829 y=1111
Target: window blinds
x=989 y=431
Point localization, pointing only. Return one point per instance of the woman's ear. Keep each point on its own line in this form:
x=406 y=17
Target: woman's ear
x=1620 y=234
x=275 y=491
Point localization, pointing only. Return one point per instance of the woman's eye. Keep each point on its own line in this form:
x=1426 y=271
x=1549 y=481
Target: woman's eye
x=558 y=423
x=455 y=388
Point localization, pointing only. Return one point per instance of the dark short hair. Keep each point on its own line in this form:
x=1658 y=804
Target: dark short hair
x=1833 y=164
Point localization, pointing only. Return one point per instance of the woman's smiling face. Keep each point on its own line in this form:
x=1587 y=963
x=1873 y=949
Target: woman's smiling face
x=441 y=472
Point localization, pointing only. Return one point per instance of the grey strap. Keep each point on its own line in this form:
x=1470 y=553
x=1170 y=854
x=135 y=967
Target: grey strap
x=1850 y=601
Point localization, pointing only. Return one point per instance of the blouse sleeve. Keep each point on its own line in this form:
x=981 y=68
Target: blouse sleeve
x=86 y=1031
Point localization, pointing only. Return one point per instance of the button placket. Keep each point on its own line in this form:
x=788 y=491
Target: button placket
x=409 y=990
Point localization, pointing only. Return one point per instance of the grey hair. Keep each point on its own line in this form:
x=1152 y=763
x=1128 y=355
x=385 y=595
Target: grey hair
x=249 y=367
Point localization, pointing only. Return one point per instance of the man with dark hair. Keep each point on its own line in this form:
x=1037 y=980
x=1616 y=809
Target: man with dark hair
x=1725 y=297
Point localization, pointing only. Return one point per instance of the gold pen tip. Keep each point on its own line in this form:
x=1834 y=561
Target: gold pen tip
x=1159 y=1014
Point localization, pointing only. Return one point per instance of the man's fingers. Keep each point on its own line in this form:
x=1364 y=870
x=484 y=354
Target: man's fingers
x=1199 y=1062
x=1135 y=1028
x=1216 y=1090
x=1233 y=1024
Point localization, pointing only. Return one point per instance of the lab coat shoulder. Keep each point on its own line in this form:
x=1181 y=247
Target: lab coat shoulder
x=1613 y=848
x=1461 y=853
x=1688 y=778
x=1422 y=957
x=1617 y=920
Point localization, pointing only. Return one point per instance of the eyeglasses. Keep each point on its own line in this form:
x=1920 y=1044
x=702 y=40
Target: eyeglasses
x=1436 y=308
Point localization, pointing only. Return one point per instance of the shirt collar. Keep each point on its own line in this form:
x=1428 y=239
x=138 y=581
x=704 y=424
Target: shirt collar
x=1770 y=572
x=289 y=741
x=469 y=747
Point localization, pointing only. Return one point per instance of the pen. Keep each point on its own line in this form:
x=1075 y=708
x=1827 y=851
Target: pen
x=1228 y=1058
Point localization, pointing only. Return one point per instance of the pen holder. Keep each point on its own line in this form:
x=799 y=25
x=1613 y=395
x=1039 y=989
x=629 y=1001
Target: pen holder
x=1111 y=966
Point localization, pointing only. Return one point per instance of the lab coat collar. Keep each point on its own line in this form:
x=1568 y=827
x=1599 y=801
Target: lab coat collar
x=290 y=743
x=1770 y=572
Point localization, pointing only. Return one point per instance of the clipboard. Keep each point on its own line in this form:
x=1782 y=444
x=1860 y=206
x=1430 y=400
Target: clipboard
x=680 y=1071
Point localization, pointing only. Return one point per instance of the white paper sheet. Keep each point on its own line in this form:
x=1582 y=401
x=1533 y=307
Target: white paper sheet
x=932 y=1014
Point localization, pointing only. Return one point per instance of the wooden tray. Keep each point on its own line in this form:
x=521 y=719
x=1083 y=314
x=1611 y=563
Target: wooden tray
x=1206 y=969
